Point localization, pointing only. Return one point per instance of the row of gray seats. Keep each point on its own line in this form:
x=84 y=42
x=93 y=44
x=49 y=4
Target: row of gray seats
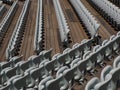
x=109 y=78
x=17 y=35
x=38 y=39
x=66 y=58
x=45 y=65
x=62 y=22
x=2 y=10
x=66 y=76
x=109 y=11
x=68 y=55
x=87 y=18
x=7 y=19
x=10 y=63
x=17 y=67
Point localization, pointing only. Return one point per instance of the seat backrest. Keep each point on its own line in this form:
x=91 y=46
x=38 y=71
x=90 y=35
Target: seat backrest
x=36 y=73
x=116 y=62
x=56 y=55
x=78 y=72
x=87 y=55
x=61 y=70
x=61 y=59
x=49 y=66
x=105 y=85
x=20 y=82
x=104 y=42
x=37 y=59
x=95 y=48
x=43 y=72
x=115 y=45
x=69 y=74
x=16 y=59
x=12 y=72
x=42 y=84
x=44 y=62
x=47 y=54
x=74 y=53
x=24 y=66
x=107 y=46
x=82 y=65
x=74 y=62
x=115 y=76
x=60 y=83
x=6 y=64
x=55 y=64
x=113 y=37
x=104 y=72
x=91 y=84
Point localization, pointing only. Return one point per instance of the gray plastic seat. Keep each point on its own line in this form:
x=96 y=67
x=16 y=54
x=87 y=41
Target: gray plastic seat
x=56 y=64
x=19 y=83
x=39 y=73
x=24 y=65
x=104 y=72
x=60 y=83
x=75 y=51
x=61 y=70
x=90 y=64
x=86 y=45
x=108 y=49
x=98 y=54
x=116 y=45
x=55 y=56
x=116 y=62
x=61 y=59
x=74 y=62
x=69 y=76
x=47 y=54
x=16 y=59
x=42 y=84
x=105 y=85
x=87 y=55
x=91 y=84
x=79 y=71
x=115 y=78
